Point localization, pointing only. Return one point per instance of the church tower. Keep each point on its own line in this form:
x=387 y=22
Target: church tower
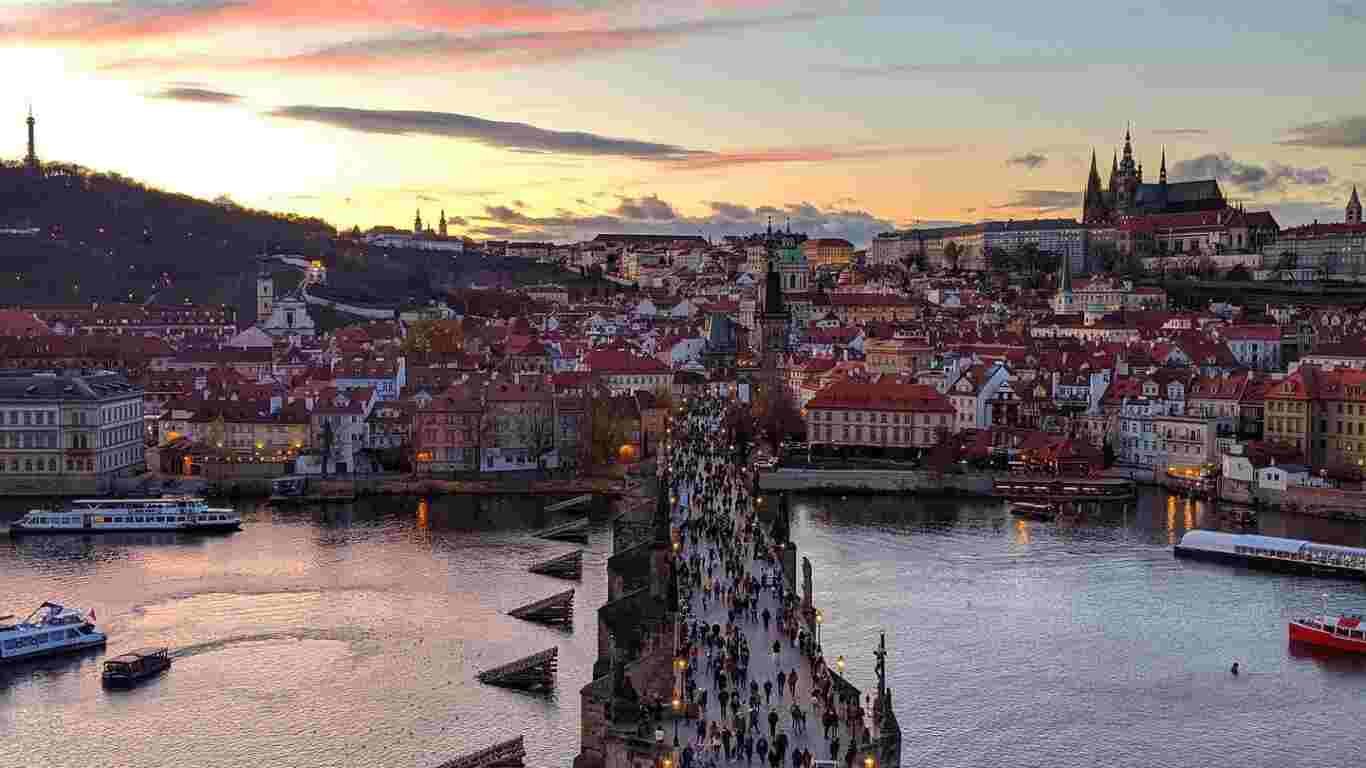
x=1129 y=178
x=1064 y=302
x=441 y=223
x=31 y=159
x=265 y=294
x=1354 y=208
x=417 y=222
x=773 y=322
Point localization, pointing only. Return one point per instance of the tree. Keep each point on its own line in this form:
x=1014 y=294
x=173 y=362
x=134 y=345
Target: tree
x=607 y=430
x=537 y=432
x=1105 y=255
x=952 y=253
x=328 y=440
x=1000 y=259
x=776 y=415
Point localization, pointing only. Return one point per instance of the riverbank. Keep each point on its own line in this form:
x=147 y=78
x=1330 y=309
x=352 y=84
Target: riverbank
x=390 y=484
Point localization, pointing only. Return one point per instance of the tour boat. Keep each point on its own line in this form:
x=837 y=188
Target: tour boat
x=49 y=630
x=1031 y=510
x=180 y=513
x=1340 y=633
x=1274 y=554
x=127 y=669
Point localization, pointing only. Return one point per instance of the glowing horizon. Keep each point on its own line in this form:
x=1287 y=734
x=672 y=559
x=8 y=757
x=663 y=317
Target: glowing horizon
x=532 y=119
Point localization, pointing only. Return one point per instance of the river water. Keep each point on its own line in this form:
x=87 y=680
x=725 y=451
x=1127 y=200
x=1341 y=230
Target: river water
x=352 y=636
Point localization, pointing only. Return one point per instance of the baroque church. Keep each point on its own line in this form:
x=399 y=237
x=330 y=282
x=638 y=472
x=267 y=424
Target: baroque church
x=1127 y=195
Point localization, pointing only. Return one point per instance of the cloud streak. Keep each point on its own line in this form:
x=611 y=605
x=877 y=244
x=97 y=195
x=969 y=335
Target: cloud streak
x=1180 y=132
x=1042 y=200
x=1030 y=160
x=519 y=137
x=523 y=137
x=1027 y=64
x=197 y=95
x=1342 y=133
x=551 y=41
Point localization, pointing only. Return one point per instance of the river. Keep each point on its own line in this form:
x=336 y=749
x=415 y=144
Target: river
x=351 y=637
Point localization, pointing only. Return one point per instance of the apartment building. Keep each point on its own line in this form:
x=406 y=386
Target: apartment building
x=65 y=432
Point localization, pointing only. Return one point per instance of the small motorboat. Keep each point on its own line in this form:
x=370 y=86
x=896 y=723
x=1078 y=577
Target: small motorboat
x=128 y=669
x=1034 y=510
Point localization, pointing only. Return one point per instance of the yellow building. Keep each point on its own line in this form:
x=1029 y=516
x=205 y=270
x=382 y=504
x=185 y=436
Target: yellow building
x=828 y=252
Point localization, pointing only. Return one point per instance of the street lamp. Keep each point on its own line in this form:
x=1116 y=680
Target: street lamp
x=820 y=619
x=678 y=709
x=839 y=664
x=869 y=762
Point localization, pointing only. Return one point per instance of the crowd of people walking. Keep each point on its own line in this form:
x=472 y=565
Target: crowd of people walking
x=754 y=676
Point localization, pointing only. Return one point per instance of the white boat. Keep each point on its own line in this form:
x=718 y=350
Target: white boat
x=178 y=513
x=49 y=630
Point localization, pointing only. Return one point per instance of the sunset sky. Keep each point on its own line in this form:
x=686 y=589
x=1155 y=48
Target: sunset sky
x=537 y=119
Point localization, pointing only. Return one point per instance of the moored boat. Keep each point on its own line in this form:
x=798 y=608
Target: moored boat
x=128 y=669
x=49 y=630
x=1034 y=510
x=177 y=513
x=1274 y=554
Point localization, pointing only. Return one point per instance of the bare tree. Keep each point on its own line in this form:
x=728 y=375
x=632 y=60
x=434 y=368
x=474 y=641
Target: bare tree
x=537 y=432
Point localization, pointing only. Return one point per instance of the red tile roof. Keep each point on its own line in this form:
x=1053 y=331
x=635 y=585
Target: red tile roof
x=880 y=396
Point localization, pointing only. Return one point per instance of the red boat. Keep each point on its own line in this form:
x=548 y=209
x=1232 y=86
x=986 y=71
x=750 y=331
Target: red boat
x=1343 y=633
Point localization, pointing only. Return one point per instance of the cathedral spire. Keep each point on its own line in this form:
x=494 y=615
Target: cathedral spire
x=1162 y=174
x=1354 y=208
x=1093 y=201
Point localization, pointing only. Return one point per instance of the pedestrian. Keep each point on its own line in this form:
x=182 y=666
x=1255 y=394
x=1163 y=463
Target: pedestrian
x=782 y=682
x=792 y=682
x=761 y=748
x=835 y=748
x=726 y=740
x=766 y=616
x=772 y=722
x=768 y=691
x=777 y=651
x=796 y=757
x=849 y=756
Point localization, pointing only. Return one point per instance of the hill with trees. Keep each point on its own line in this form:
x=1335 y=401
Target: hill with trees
x=105 y=237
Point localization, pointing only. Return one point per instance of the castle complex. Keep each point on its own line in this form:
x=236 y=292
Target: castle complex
x=1127 y=195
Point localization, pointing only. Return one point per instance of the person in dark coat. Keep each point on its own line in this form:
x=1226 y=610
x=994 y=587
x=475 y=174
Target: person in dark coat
x=772 y=722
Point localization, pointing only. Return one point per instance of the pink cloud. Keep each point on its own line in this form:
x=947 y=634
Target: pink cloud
x=137 y=20
x=402 y=52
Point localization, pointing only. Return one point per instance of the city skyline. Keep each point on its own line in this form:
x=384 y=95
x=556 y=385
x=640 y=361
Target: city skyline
x=531 y=120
